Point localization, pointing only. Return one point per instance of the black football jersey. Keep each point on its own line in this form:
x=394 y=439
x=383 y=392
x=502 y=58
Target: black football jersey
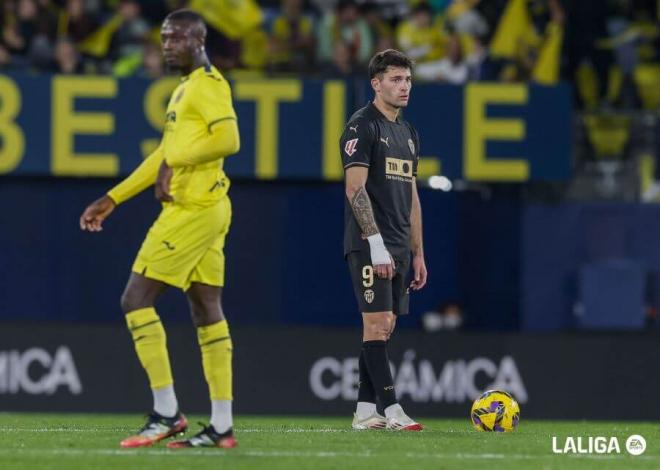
x=391 y=152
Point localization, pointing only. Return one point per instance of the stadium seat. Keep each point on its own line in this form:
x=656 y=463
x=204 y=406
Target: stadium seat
x=586 y=84
x=611 y=293
x=647 y=79
x=608 y=135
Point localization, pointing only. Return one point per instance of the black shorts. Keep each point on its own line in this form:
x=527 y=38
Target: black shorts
x=375 y=294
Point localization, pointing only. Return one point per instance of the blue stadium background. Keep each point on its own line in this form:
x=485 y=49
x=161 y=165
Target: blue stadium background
x=284 y=253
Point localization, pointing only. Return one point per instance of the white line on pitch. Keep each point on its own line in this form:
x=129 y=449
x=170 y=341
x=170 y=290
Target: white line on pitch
x=126 y=429
x=293 y=454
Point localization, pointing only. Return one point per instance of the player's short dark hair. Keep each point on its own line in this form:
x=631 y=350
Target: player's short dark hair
x=190 y=16
x=389 y=57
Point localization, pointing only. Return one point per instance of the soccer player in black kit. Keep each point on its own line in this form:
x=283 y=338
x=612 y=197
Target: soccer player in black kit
x=383 y=225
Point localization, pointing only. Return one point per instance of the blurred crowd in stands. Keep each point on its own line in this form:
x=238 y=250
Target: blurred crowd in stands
x=599 y=45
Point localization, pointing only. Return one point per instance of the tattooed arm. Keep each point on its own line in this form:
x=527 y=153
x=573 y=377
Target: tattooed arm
x=361 y=205
x=356 y=178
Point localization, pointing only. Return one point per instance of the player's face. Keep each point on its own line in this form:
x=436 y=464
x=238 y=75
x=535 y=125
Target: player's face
x=394 y=86
x=178 y=43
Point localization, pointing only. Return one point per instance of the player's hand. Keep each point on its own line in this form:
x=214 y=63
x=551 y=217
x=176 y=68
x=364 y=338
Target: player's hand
x=163 y=183
x=385 y=271
x=420 y=273
x=93 y=216
x=381 y=260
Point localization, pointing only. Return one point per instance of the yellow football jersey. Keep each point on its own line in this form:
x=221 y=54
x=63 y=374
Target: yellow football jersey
x=202 y=99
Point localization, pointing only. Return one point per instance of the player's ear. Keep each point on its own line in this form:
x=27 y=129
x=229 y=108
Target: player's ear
x=195 y=39
x=375 y=83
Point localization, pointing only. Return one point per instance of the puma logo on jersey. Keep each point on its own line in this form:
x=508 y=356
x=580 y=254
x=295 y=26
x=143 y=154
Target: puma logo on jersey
x=385 y=141
x=354 y=129
x=168 y=245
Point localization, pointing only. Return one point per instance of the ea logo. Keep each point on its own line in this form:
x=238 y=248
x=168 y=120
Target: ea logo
x=636 y=445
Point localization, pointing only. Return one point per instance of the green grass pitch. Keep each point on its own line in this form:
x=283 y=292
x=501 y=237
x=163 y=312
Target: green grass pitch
x=90 y=442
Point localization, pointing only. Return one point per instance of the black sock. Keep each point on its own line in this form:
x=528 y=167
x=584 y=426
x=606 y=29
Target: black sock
x=366 y=388
x=378 y=366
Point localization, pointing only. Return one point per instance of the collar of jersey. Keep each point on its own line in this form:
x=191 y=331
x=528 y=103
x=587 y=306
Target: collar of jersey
x=380 y=115
x=202 y=69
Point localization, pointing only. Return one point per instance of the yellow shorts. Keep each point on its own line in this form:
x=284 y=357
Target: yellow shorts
x=186 y=245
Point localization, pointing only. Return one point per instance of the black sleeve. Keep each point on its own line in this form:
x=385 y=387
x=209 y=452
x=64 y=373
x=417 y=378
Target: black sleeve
x=416 y=152
x=356 y=143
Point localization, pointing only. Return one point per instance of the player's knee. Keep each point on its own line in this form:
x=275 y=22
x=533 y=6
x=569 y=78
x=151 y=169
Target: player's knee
x=378 y=330
x=131 y=301
x=204 y=312
x=391 y=330
x=198 y=316
x=126 y=303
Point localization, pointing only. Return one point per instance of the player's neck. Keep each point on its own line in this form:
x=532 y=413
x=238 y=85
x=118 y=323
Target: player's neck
x=389 y=111
x=200 y=60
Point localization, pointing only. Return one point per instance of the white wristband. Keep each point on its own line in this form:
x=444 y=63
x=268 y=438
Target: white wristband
x=379 y=254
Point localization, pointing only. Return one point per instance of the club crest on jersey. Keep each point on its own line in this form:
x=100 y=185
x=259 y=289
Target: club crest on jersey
x=351 y=147
x=411 y=146
x=369 y=295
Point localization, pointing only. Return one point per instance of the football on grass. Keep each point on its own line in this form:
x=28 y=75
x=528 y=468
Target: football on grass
x=496 y=411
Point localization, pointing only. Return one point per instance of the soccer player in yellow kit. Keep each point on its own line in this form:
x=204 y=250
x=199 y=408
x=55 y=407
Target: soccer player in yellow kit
x=184 y=246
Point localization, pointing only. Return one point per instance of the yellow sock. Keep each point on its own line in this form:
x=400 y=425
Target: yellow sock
x=216 y=346
x=151 y=345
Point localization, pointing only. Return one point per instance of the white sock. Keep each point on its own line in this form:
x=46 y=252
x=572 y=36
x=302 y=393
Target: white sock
x=221 y=418
x=393 y=410
x=365 y=409
x=165 y=403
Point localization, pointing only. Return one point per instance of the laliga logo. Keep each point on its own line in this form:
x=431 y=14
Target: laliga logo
x=56 y=371
x=635 y=445
x=456 y=382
